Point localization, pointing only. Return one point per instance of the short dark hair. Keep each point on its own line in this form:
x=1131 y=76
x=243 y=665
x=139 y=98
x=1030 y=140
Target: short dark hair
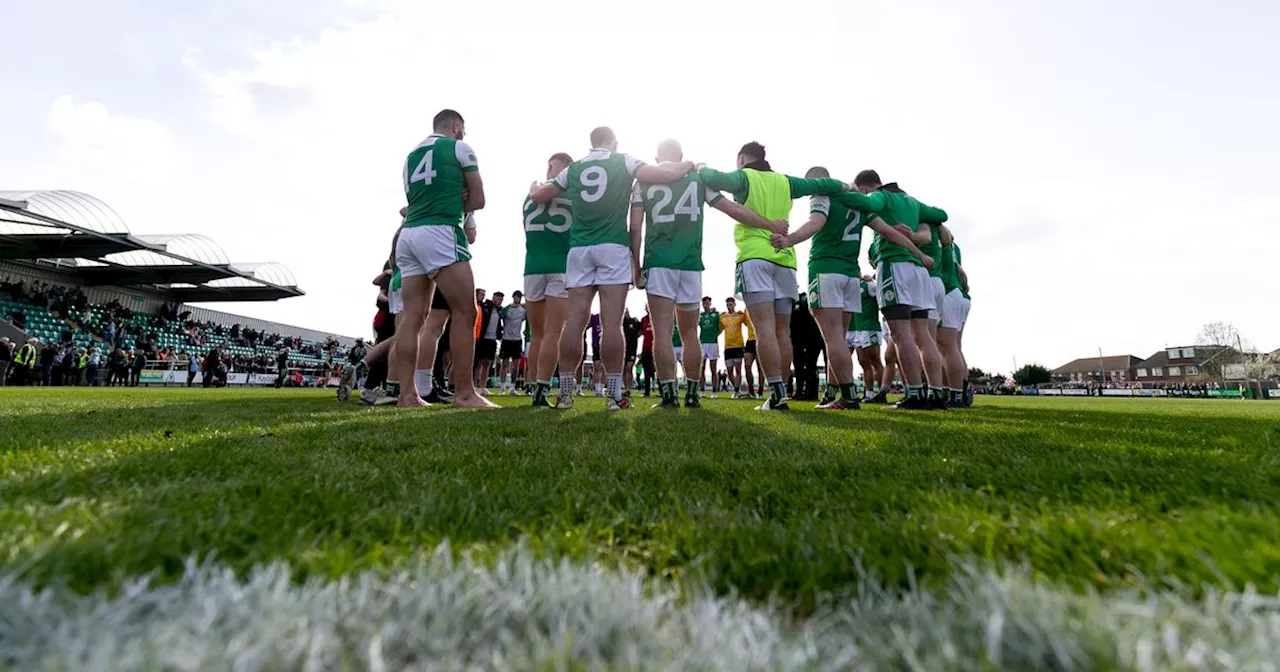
x=817 y=171
x=562 y=157
x=517 y=293
x=867 y=178
x=499 y=294
x=754 y=150
x=706 y=298
x=730 y=299
x=447 y=117
x=602 y=136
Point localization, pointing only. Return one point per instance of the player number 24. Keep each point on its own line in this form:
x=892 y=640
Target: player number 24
x=687 y=205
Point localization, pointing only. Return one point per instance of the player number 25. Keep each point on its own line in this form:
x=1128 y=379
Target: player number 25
x=557 y=208
x=687 y=205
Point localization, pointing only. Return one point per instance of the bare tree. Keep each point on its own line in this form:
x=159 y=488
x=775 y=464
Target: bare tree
x=1218 y=333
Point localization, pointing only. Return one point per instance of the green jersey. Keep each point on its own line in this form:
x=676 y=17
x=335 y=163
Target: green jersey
x=395 y=279
x=673 y=232
x=675 y=337
x=434 y=180
x=947 y=269
x=708 y=327
x=836 y=246
x=933 y=248
x=599 y=187
x=869 y=318
x=896 y=207
x=959 y=261
x=546 y=235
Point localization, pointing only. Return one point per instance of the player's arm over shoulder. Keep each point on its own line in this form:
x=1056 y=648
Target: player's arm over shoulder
x=661 y=174
x=558 y=185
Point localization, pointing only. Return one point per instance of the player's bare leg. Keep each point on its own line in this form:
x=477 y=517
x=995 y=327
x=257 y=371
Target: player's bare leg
x=831 y=323
x=417 y=291
x=613 y=299
x=546 y=354
x=771 y=329
x=872 y=369
x=571 y=345
x=662 y=314
x=930 y=357
x=953 y=372
x=687 y=323
x=428 y=345
x=459 y=288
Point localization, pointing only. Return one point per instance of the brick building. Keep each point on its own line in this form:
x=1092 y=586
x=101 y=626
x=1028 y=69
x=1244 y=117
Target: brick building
x=1186 y=364
x=1115 y=369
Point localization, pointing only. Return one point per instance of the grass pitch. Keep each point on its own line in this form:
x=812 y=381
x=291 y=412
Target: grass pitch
x=789 y=513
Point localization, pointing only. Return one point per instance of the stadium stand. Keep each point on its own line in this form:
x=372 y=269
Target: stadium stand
x=73 y=274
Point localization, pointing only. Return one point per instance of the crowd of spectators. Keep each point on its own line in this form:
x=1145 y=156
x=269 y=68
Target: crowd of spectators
x=110 y=344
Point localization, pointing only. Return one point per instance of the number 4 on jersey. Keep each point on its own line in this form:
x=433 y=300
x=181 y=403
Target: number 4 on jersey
x=424 y=172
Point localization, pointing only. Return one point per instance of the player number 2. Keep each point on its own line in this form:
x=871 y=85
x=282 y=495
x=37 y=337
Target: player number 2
x=596 y=181
x=852 y=232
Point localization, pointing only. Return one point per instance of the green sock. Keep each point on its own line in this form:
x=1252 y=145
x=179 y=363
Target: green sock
x=392 y=387
x=848 y=391
x=692 y=387
x=914 y=391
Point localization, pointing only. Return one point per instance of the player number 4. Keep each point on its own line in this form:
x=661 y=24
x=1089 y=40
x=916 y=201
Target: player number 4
x=424 y=172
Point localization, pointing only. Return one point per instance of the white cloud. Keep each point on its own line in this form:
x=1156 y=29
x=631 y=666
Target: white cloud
x=92 y=138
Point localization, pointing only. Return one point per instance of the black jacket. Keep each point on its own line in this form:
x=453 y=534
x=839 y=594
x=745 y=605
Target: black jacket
x=489 y=312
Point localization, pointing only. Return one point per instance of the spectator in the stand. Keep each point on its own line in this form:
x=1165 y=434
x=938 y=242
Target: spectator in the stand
x=139 y=363
x=71 y=367
x=211 y=363
x=193 y=367
x=24 y=358
x=48 y=354
x=282 y=367
x=91 y=368
x=6 y=349
x=19 y=319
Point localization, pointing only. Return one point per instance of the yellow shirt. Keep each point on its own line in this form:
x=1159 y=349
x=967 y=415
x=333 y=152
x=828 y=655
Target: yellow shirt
x=731 y=324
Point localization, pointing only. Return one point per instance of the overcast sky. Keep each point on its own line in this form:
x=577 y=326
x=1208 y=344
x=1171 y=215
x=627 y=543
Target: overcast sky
x=1110 y=168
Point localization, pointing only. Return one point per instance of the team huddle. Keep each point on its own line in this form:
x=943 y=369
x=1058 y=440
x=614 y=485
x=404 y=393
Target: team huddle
x=603 y=223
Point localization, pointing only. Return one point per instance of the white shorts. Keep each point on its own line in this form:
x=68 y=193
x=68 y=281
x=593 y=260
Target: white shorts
x=836 y=290
x=683 y=287
x=955 y=310
x=758 y=275
x=679 y=352
x=710 y=351
x=539 y=286
x=395 y=302
x=851 y=339
x=424 y=250
x=939 y=293
x=598 y=266
x=903 y=283
x=866 y=339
